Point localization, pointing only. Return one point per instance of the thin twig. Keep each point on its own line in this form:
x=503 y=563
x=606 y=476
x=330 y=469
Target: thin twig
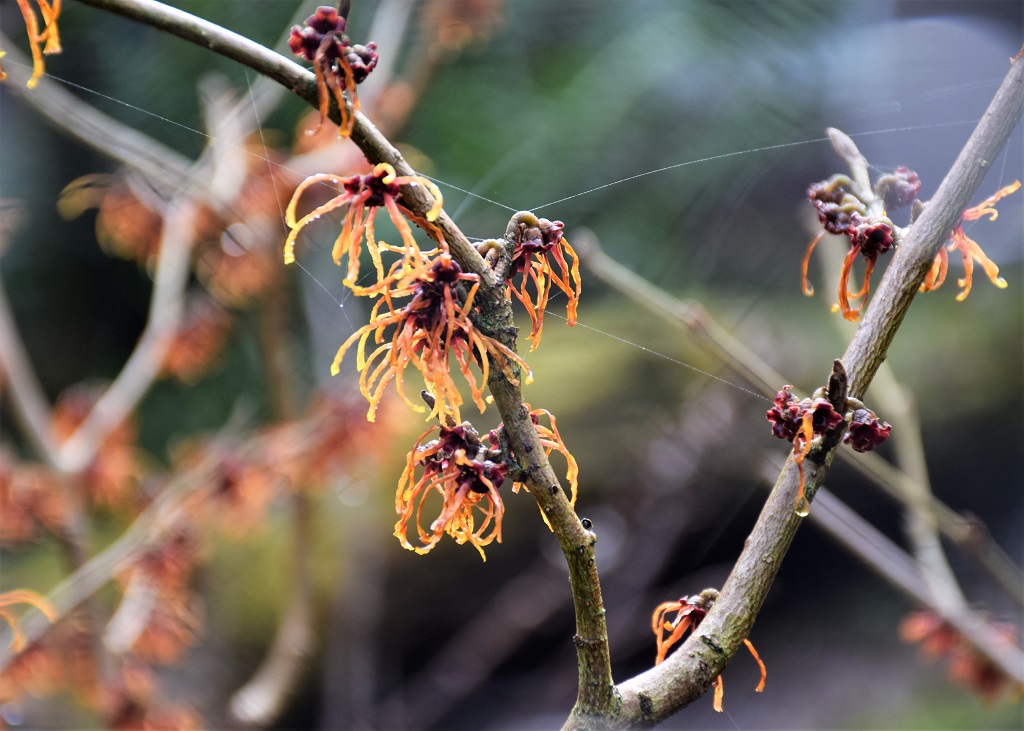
x=145 y=362
x=261 y=700
x=162 y=166
x=216 y=178
x=31 y=406
x=904 y=573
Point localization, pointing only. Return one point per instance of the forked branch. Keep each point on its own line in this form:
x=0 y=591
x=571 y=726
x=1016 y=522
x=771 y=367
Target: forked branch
x=656 y=694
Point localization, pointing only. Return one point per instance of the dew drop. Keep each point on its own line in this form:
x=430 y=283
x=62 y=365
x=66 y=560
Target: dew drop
x=803 y=508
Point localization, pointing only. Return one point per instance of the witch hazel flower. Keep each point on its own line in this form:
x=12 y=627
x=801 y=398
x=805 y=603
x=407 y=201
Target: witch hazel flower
x=434 y=323
x=863 y=218
x=45 y=40
x=551 y=441
x=363 y=195
x=689 y=613
x=970 y=251
x=466 y=474
x=539 y=260
x=339 y=64
x=806 y=423
x=842 y=211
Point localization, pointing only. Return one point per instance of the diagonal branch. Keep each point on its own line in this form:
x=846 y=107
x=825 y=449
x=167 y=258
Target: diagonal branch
x=656 y=694
x=157 y=162
x=145 y=362
x=692 y=318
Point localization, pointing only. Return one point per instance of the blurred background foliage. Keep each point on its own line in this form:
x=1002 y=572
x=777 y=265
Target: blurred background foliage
x=568 y=109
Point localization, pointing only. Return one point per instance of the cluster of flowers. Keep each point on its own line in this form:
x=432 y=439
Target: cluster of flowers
x=425 y=317
x=226 y=488
x=45 y=41
x=806 y=422
x=339 y=64
x=535 y=239
x=939 y=640
x=467 y=474
x=154 y=623
x=690 y=611
x=435 y=321
x=844 y=210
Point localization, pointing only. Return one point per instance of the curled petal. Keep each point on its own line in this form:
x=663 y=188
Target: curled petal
x=297 y=224
x=806 y=285
x=675 y=629
x=844 y=282
x=760 y=664
x=801 y=448
x=23 y=596
x=987 y=206
x=719 y=693
x=42 y=42
x=690 y=612
x=970 y=252
x=937 y=274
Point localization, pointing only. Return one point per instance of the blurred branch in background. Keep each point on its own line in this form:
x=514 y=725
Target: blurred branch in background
x=164 y=168
x=262 y=699
x=216 y=181
x=170 y=278
x=909 y=575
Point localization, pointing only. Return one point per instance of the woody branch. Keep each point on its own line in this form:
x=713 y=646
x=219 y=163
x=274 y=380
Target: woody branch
x=656 y=694
x=596 y=689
